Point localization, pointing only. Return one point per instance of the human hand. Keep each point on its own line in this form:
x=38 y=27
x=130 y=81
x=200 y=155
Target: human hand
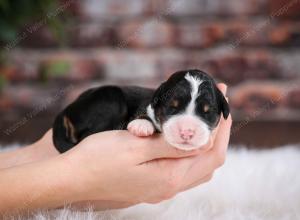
x=110 y=170
x=116 y=169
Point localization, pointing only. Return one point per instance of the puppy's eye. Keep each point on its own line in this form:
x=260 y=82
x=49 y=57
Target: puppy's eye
x=206 y=108
x=174 y=104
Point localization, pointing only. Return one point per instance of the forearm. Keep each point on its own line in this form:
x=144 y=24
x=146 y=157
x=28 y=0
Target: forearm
x=46 y=184
x=41 y=150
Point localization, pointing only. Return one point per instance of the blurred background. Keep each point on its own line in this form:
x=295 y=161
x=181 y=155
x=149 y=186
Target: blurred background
x=53 y=50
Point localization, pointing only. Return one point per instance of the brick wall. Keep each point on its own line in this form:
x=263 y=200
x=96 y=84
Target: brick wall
x=252 y=45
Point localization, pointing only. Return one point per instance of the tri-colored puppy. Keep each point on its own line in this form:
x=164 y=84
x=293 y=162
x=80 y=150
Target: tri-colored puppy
x=185 y=109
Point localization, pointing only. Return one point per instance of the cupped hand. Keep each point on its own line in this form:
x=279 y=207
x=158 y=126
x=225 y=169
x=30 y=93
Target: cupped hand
x=115 y=169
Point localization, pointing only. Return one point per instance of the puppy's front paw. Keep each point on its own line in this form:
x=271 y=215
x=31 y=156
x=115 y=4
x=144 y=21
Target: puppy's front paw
x=140 y=127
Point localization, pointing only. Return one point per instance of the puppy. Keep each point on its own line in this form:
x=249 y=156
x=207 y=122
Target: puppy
x=185 y=109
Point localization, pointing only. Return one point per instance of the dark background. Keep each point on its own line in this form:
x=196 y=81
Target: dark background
x=53 y=50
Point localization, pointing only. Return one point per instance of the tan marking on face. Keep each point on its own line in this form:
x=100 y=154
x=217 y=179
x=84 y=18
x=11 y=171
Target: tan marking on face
x=206 y=108
x=174 y=103
x=70 y=130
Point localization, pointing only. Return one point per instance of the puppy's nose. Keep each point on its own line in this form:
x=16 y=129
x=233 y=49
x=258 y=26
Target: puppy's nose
x=187 y=134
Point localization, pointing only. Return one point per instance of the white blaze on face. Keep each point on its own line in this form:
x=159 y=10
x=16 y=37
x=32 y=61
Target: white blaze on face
x=151 y=115
x=194 y=83
x=187 y=131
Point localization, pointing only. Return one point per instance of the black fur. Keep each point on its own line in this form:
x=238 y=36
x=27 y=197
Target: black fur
x=112 y=107
x=177 y=88
x=100 y=109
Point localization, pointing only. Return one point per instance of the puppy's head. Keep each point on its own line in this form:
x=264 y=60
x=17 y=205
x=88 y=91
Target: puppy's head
x=186 y=108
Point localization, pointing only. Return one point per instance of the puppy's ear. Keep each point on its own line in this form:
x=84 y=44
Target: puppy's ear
x=223 y=104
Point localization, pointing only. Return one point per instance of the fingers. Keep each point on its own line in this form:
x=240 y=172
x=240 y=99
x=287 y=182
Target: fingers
x=223 y=135
x=199 y=167
x=205 y=163
x=157 y=148
x=198 y=182
x=223 y=88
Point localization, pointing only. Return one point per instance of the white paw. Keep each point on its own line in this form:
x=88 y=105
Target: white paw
x=140 y=127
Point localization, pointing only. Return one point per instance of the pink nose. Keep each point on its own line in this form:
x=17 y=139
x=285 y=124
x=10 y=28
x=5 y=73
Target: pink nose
x=187 y=134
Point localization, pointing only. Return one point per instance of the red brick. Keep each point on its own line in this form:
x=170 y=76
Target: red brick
x=128 y=66
x=70 y=67
x=73 y=93
x=235 y=66
x=236 y=7
x=263 y=32
x=253 y=96
x=147 y=33
x=10 y=73
x=179 y=7
x=293 y=99
x=266 y=98
x=25 y=64
x=199 y=35
x=5 y=102
x=73 y=7
x=85 y=69
x=92 y=35
x=227 y=65
x=230 y=66
x=113 y=9
x=285 y=34
x=33 y=99
x=240 y=33
x=216 y=7
x=284 y=8
x=170 y=61
x=288 y=63
x=42 y=37
x=237 y=33
x=79 y=35
x=35 y=66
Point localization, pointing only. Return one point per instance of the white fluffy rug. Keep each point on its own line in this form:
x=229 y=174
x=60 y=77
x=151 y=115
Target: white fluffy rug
x=252 y=185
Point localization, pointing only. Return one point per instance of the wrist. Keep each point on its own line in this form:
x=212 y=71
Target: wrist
x=70 y=180
x=40 y=150
x=77 y=178
x=54 y=180
x=85 y=182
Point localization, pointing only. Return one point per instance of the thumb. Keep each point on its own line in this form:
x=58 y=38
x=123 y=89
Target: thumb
x=223 y=88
